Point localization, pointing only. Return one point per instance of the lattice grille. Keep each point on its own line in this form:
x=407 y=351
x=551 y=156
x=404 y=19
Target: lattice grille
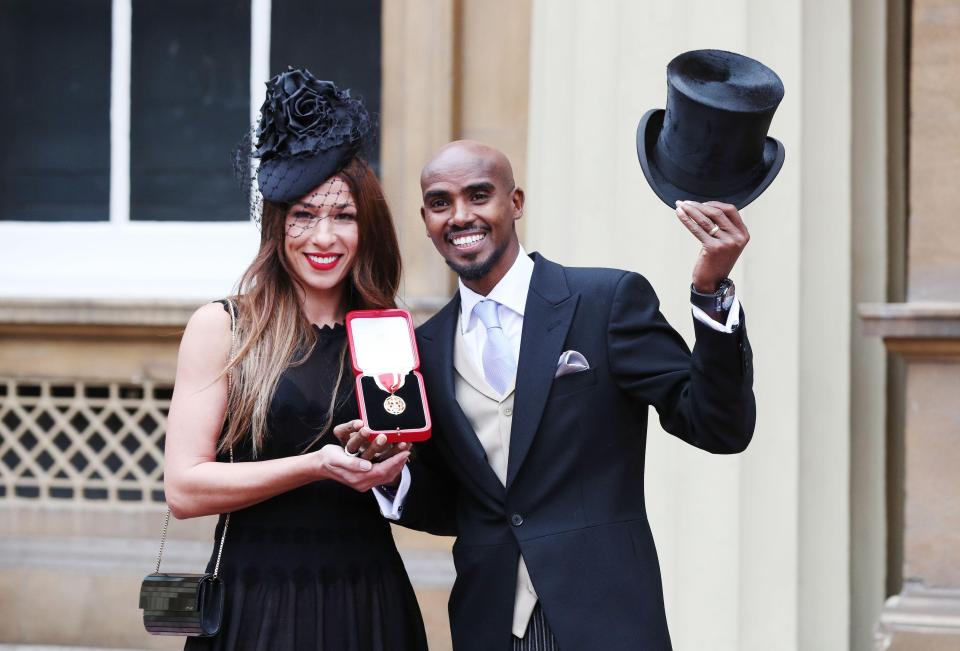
x=79 y=442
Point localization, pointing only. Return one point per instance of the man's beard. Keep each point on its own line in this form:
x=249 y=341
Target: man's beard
x=477 y=270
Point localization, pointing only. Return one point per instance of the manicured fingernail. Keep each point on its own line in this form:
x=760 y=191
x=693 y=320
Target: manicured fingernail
x=365 y=465
x=678 y=202
x=381 y=439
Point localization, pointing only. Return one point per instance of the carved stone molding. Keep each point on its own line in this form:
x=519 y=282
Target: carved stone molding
x=110 y=319
x=96 y=311
x=920 y=612
x=130 y=317
x=915 y=330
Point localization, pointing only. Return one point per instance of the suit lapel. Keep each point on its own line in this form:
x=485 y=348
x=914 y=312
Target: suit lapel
x=439 y=335
x=547 y=316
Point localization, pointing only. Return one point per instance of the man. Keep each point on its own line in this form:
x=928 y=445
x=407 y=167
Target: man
x=539 y=379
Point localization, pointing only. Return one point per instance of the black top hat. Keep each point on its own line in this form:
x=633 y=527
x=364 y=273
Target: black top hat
x=711 y=142
x=308 y=131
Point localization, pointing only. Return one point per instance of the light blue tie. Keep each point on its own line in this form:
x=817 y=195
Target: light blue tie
x=499 y=366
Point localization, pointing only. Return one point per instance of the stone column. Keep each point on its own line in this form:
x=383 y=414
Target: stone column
x=925 y=332
x=775 y=520
x=444 y=79
x=925 y=615
x=452 y=69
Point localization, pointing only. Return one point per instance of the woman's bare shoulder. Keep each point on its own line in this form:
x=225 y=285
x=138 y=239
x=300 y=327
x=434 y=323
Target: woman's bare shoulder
x=207 y=335
x=210 y=318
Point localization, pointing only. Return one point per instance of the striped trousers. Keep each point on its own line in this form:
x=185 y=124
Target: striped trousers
x=538 y=636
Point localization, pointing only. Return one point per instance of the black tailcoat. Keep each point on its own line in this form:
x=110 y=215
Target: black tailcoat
x=573 y=504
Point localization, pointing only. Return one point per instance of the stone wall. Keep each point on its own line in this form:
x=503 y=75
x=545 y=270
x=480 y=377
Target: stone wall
x=84 y=391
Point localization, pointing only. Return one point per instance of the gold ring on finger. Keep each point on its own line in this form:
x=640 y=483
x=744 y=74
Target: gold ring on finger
x=713 y=231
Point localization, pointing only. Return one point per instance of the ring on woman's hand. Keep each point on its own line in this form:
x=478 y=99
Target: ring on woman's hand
x=713 y=231
x=353 y=454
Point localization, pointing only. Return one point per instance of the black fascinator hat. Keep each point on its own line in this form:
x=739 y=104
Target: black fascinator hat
x=711 y=143
x=308 y=131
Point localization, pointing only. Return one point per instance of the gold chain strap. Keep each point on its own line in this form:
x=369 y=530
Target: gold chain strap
x=163 y=539
x=226 y=522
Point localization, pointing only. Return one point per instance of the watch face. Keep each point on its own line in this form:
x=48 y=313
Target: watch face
x=727 y=292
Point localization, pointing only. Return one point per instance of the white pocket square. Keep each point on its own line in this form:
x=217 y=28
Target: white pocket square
x=571 y=362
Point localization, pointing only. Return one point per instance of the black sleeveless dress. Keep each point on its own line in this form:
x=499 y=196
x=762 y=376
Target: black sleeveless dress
x=314 y=568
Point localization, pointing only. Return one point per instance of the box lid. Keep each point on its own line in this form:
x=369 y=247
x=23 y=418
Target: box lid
x=382 y=341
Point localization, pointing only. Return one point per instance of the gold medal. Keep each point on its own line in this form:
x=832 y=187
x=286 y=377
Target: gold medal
x=394 y=405
x=391 y=383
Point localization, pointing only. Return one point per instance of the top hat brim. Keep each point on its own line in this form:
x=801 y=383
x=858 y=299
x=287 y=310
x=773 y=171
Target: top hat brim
x=284 y=180
x=647 y=133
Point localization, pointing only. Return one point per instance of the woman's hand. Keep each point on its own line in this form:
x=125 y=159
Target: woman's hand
x=356 y=472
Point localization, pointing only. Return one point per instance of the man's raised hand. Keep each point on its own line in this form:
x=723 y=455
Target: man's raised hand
x=723 y=236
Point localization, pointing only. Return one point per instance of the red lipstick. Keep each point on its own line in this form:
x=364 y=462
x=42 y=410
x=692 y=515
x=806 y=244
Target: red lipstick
x=323 y=266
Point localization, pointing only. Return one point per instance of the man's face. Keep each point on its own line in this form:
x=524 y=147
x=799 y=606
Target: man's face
x=469 y=212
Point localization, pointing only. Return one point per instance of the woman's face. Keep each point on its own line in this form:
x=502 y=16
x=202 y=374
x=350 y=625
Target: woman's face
x=321 y=236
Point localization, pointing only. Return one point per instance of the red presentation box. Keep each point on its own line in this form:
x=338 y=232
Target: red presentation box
x=390 y=389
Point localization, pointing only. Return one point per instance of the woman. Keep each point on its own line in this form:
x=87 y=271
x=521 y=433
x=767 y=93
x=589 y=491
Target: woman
x=308 y=561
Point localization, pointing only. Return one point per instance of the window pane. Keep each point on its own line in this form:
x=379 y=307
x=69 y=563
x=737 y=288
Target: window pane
x=335 y=40
x=55 y=75
x=190 y=106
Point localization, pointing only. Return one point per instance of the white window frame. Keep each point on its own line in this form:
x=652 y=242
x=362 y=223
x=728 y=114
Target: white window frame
x=119 y=258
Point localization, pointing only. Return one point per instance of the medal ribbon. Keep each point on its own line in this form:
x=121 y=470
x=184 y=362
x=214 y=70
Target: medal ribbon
x=390 y=382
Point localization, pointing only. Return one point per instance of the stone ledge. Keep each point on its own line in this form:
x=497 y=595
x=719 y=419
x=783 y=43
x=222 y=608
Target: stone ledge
x=147 y=314
x=911 y=320
x=136 y=556
x=915 y=330
x=45 y=647
x=920 y=610
x=96 y=312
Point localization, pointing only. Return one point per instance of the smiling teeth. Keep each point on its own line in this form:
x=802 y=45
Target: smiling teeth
x=468 y=239
x=327 y=259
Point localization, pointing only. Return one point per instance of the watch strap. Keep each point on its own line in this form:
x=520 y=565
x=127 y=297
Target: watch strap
x=715 y=304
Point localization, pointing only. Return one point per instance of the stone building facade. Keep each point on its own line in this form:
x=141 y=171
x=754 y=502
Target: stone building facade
x=837 y=529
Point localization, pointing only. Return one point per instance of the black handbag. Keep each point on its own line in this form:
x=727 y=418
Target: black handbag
x=186 y=604
x=183 y=604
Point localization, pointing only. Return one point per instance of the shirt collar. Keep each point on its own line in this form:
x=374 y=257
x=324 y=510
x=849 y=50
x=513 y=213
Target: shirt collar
x=510 y=292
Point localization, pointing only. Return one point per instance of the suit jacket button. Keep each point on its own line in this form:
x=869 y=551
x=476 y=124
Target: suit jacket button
x=516 y=519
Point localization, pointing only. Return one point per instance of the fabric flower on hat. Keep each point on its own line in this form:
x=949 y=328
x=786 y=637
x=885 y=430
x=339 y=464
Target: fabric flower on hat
x=303 y=115
x=308 y=130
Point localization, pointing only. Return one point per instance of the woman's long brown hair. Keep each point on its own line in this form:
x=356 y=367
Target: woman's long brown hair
x=272 y=331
